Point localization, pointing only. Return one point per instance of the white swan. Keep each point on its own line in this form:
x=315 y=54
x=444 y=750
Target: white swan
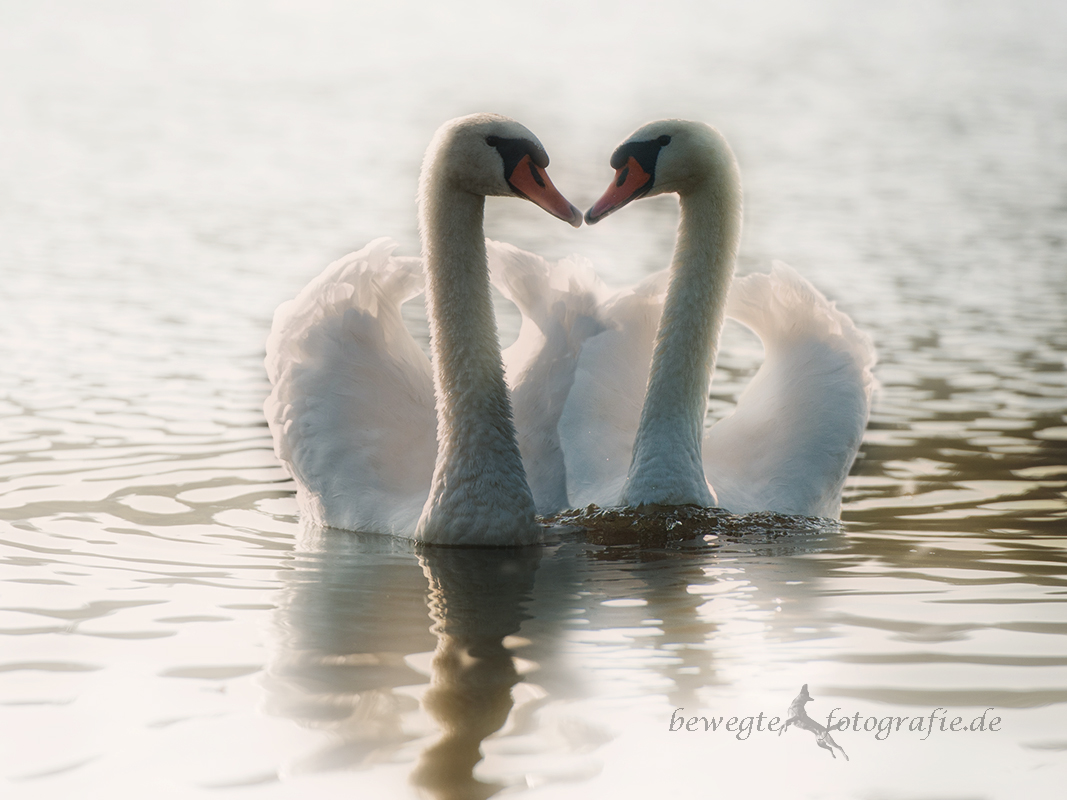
x=352 y=409
x=789 y=444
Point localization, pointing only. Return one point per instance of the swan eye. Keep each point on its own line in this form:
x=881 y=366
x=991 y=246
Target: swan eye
x=664 y=140
x=492 y=141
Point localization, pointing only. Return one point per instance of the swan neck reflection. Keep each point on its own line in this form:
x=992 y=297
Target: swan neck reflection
x=477 y=599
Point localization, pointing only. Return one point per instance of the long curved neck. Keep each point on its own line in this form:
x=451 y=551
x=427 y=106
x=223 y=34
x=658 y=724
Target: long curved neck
x=667 y=467
x=479 y=492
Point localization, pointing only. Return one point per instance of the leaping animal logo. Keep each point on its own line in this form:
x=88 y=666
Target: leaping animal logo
x=799 y=717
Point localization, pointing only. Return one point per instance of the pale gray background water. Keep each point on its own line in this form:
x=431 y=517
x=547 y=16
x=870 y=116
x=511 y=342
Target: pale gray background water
x=169 y=173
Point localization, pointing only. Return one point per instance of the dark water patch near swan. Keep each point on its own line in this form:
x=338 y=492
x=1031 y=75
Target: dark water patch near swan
x=663 y=526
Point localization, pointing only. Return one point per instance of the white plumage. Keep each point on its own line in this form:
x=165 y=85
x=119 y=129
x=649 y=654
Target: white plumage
x=377 y=437
x=790 y=442
x=352 y=410
x=625 y=440
x=380 y=439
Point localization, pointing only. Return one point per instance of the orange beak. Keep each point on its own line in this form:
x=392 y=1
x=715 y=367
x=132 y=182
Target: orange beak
x=533 y=183
x=631 y=182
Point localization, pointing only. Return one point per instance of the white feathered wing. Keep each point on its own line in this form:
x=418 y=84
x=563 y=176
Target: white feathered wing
x=352 y=408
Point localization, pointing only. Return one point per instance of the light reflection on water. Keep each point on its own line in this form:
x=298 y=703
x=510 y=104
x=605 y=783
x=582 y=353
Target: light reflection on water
x=168 y=629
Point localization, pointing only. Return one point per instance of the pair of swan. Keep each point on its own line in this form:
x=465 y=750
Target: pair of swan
x=380 y=439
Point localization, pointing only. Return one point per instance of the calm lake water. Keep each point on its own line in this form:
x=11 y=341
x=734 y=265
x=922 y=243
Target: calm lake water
x=168 y=629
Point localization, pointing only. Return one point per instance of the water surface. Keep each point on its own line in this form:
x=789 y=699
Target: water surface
x=169 y=628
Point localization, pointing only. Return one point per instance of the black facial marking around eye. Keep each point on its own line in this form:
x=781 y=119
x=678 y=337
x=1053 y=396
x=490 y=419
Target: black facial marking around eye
x=514 y=150
x=537 y=175
x=644 y=153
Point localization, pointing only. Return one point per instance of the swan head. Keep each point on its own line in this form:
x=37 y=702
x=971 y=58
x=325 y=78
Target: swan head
x=494 y=156
x=670 y=155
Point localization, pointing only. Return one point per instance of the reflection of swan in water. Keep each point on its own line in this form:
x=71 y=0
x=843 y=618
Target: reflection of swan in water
x=352 y=642
x=791 y=440
x=343 y=659
x=352 y=408
x=353 y=633
x=477 y=598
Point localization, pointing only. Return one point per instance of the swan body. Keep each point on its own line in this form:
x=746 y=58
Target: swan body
x=790 y=442
x=575 y=370
x=794 y=434
x=377 y=437
x=335 y=352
